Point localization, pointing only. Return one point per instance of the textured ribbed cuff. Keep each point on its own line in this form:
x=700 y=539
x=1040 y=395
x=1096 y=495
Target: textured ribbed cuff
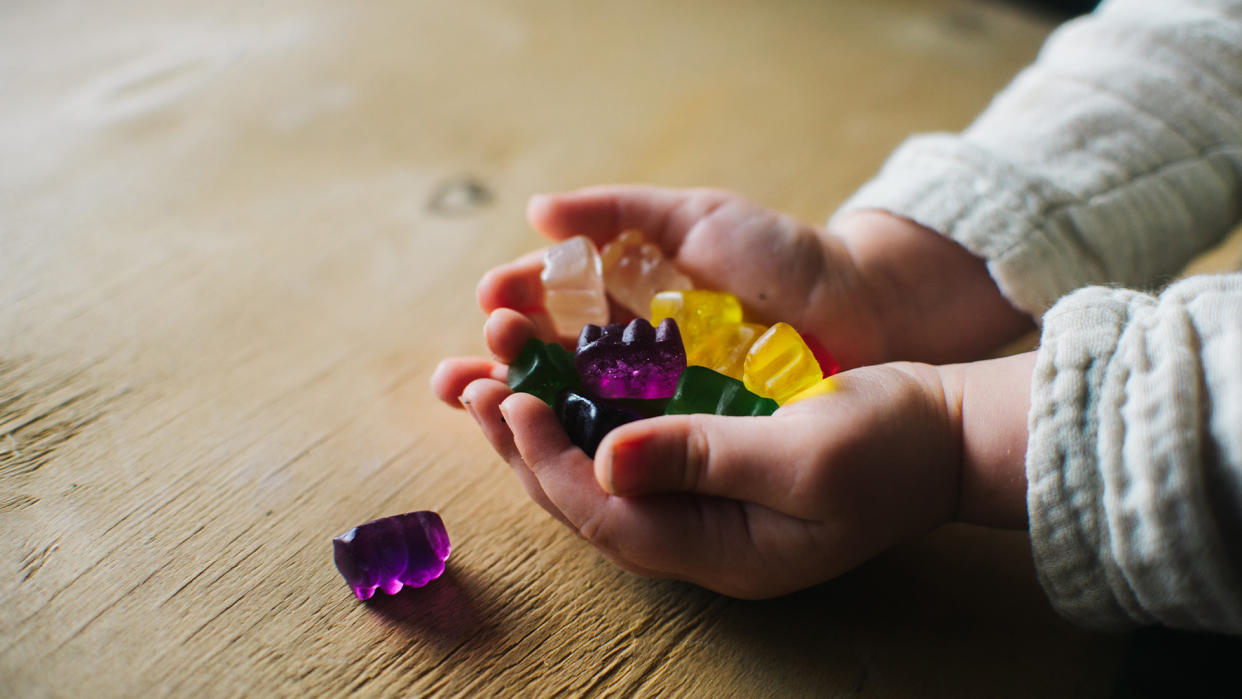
x=1132 y=470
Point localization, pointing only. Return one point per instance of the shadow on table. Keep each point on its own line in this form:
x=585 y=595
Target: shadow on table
x=1168 y=663
x=444 y=612
x=958 y=613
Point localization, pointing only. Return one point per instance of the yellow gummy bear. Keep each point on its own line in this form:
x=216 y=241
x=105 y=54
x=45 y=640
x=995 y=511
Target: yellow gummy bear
x=698 y=314
x=822 y=388
x=724 y=349
x=780 y=365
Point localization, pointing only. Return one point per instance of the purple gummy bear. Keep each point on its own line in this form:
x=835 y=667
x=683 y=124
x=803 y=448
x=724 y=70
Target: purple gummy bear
x=631 y=361
x=392 y=552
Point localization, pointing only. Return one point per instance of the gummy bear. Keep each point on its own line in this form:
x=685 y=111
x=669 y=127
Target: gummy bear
x=586 y=420
x=573 y=286
x=701 y=390
x=822 y=387
x=724 y=349
x=827 y=363
x=542 y=370
x=780 y=364
x=698 y=315
x=392 y=552
x=631 y=361
x=634 y=270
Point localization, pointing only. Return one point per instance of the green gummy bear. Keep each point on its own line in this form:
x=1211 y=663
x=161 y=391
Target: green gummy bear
x=543 y=370
x=701 y=390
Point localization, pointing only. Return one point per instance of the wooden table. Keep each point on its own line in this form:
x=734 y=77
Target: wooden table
x=238 y=236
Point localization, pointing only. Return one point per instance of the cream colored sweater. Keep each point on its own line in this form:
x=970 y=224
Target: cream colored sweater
x=1113 y=160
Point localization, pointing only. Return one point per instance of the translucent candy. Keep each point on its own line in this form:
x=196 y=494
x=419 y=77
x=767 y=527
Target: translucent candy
x=779 y=364
x=542 y=370
x=635 y=270
x=631 y=361
x=586 y=420
x=390 y=553
x=827 y=363
x=573 y=286
x=724 y=349
x=701 y=390
x=820 y=388
x=698 y=315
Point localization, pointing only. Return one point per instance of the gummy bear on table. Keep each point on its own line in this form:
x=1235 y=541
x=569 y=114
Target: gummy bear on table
x=391 y=553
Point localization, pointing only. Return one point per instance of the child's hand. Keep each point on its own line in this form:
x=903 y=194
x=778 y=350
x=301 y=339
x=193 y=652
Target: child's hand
x=756 y=507
x=874 y=289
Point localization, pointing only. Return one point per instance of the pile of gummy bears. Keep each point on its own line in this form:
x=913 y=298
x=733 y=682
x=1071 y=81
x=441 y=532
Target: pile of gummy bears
x=699 y=358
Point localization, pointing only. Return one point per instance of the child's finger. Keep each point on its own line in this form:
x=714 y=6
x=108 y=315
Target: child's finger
x=550 y=456
x=759 y=460
x=664 y=216
x=482 y=400
x=546 y=448
x=516 y=285
x=506 y=332
x=513 y=285
x=452 y=376
x=661 y=535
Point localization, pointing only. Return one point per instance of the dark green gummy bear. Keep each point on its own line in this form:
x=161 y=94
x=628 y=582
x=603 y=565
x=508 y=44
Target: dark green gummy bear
x=543 y=370
x=701 y=390
x=586 y=419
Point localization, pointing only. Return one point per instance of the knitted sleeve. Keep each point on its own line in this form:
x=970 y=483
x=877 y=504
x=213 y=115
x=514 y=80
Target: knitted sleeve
x=1134 y=460
x=1115 y=158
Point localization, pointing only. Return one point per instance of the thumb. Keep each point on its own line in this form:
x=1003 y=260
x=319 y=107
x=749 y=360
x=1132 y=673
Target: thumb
x=761 y=460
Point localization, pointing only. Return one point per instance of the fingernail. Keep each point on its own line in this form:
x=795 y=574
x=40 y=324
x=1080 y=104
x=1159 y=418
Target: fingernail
x=624 y=468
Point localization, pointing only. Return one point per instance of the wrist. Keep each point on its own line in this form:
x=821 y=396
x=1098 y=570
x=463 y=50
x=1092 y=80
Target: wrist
x=988 y=402
x=933 y=300
x=925 y=444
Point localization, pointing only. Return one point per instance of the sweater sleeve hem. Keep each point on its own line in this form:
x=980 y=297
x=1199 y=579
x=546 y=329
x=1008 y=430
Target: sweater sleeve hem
x=950 y=186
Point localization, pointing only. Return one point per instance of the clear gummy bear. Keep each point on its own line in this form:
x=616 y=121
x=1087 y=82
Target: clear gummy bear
x=635 y=271
x=573 y=286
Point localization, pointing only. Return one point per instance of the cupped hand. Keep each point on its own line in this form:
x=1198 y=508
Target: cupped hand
x=872 y=288
x=780 y=268
x=751 y=507
x=756 y=507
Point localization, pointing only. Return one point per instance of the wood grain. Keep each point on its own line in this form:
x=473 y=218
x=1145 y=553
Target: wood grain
x=237 y=237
